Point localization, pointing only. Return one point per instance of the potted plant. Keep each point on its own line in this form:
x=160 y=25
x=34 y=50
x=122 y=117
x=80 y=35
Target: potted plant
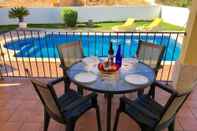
x=20 y=13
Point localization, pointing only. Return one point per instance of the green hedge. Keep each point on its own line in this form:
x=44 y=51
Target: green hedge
x=180 y=3
x=69 y=16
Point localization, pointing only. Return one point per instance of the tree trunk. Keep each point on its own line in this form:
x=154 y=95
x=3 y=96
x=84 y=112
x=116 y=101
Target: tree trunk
x=21 y=19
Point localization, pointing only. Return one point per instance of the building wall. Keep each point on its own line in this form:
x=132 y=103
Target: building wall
x=175 y=15
x=100 y=13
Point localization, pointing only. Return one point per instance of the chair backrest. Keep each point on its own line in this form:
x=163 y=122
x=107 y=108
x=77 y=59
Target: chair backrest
x=174 y=104
x=70 y=53
x=48 y=97
x=150 y=54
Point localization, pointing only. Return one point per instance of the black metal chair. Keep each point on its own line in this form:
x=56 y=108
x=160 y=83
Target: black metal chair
x=69 y=54
x=149 y=114
x=67 y=108
x=150 y=54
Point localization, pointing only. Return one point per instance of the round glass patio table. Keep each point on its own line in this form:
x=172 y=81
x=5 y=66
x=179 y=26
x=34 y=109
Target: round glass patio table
x=111 y=84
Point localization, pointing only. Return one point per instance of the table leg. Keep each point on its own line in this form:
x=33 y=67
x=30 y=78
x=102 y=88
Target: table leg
x=109 y=104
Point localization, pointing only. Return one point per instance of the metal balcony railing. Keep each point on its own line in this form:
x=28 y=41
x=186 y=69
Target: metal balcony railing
x=37 y=52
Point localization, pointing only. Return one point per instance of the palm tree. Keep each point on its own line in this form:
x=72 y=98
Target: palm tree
x=18 y=12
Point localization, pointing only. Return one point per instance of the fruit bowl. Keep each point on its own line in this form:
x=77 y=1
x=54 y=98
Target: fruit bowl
x=104 y=68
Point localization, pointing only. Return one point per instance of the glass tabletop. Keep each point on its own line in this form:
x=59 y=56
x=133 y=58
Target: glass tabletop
x=113 y=83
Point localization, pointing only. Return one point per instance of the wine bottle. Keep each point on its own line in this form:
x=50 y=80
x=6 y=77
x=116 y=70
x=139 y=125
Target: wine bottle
x=119 y=56
x=111 y=54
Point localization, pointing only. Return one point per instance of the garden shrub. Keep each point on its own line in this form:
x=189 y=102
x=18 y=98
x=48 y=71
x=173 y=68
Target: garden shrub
x=69 y=16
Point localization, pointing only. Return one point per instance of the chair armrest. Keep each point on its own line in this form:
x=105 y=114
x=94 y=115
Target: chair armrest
x=63 y=67
x=66 y=68
x=160 y=66
x=165 y=87
x=83 y=100
x=53 y=82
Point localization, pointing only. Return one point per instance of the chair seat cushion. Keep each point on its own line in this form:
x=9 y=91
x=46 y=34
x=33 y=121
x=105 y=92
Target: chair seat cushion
x=73 y=104
x=143 y=110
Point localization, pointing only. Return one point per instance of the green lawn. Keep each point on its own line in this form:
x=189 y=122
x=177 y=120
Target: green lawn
x=101 y=26
x=7 y=27
x=164 y=26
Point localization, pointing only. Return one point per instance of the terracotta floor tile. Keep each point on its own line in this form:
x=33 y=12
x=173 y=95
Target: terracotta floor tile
x=127 y=124
x=54 y=126
x=11 y=126
x=11 y=105
x=34 y=117
x=194 y=112
x=5 y=115
x=21 y=110
x=188 y=123
x=185 y=112
x=18 y=116
x=31 y=127
x=178 y=125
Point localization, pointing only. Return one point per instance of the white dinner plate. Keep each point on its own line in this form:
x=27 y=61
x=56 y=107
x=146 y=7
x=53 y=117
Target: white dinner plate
x=136 y=79
x=90 y=61
x=130 y=61
x=85 y=77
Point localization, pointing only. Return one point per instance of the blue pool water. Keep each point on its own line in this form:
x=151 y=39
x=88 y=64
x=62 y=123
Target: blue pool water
x=92 y=45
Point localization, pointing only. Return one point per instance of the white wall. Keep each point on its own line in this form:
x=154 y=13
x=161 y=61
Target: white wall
x=98 y=13
x=175 y=15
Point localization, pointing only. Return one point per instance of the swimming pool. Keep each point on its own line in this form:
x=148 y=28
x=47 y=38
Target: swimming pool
x=45 y=47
